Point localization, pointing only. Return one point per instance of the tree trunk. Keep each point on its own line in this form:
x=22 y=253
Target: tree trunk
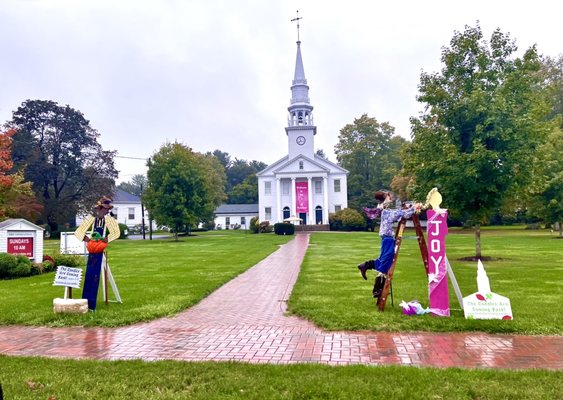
x=561 y=229
x=478 y=241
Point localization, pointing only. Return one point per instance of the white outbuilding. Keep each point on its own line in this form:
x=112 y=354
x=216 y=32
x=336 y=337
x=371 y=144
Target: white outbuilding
x=21 y=237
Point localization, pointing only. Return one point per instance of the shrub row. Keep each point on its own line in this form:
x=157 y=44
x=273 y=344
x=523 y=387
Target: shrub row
x=284 y=229
x=260 y=227
x=347 y=219
x=12 y=266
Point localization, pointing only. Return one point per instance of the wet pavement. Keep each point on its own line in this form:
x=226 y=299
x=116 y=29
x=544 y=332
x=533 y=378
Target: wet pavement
x=244 y=321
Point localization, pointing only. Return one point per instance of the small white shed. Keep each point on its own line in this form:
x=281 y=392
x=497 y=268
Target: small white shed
x=19 y=236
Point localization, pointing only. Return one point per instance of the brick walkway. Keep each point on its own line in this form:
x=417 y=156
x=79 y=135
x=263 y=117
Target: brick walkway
x=244 y=320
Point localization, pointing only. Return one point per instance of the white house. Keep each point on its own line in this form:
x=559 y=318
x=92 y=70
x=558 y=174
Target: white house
x=301 y=184
x=228 y=216
x=127 y=209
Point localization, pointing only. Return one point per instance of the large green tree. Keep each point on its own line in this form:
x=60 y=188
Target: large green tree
x=370 y=151
x=59 y=153
x=485 y=117
x=550 y=204
x=549 y=179
x=184 y=187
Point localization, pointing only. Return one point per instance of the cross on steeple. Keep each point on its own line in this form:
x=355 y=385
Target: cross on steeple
x=297 y=20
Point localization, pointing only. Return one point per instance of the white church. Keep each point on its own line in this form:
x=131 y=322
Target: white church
x=302 y=184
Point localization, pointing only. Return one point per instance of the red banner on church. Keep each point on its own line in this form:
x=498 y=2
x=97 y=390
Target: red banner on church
x=302 y=194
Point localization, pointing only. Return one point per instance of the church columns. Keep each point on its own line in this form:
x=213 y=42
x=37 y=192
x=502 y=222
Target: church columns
x=293 y=198
x=311 y=219
x=278 y=199
x=325 y=195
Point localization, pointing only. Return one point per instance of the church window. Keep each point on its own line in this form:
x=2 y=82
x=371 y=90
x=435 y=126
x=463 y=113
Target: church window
x=318 y=187
x=285 y=212
x=336 y=185
x=285 y=187
x=267 y=187
x=227 y=221
x=131 y=213
x=268 y=212
x=243 y=220
x=300 y=164
x=337 y=208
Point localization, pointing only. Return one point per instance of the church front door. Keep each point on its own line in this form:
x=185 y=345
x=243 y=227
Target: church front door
x=303 y=217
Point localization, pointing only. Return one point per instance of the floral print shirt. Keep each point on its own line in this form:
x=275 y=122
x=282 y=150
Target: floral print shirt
x=388 y=217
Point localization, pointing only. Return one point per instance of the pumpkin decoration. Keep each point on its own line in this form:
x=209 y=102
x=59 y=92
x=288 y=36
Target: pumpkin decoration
x=96 y=244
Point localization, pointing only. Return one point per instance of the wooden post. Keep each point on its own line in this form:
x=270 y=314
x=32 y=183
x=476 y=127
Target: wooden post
x=421 y=241
x=106 y=278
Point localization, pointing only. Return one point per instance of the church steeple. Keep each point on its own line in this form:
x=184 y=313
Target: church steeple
x=300 y=108
x=300 y=128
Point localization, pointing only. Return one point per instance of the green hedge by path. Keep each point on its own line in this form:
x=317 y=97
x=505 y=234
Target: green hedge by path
x=282 y=228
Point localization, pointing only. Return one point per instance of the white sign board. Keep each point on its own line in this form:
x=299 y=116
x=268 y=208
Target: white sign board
x=68 y=276
x=487 y=306
x=71 y=245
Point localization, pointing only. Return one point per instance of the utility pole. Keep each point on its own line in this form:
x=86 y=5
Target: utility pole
x=142 y=213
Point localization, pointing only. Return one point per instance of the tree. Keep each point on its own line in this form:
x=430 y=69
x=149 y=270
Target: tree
x=321 y=154
x=245 y=192
x=550 y=159
x=371 y=153
x=16 y=195
x=59 y=153
x=223 y=157
x=485 y=116
x=549 y=203
x=184 y=187
x=241 y=186
x=135 y=186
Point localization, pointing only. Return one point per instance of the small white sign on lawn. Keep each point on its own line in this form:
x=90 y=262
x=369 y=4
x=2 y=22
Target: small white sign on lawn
x=68 y=277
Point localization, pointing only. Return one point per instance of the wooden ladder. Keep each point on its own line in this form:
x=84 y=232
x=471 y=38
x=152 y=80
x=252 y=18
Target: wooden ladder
x=382 y=300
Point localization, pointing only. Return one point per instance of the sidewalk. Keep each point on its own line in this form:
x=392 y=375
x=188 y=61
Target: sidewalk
x=244 y=321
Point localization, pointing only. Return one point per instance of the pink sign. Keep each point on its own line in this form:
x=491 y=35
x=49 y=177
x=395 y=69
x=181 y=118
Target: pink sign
x=302 y=194
x=437 y=229
x=21 y=246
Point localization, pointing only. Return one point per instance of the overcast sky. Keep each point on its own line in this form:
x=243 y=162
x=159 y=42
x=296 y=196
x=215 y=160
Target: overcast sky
x=216 y=74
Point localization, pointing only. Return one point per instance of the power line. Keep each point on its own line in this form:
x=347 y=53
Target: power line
x=132 y=158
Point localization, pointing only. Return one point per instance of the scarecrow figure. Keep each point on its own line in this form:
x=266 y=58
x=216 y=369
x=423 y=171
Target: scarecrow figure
x=103 y=229
x=385 y=259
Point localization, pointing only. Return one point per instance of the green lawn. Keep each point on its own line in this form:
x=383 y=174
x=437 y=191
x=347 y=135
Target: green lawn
x=40 y=378
x=155 y=278
x=331 y=293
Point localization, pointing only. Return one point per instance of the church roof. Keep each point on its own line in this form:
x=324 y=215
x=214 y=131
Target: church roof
x=323 y=164
x=237 y=209
x=121 y=196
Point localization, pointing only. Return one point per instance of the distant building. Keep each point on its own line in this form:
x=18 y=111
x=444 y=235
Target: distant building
x=230 y=216
x=301 y=184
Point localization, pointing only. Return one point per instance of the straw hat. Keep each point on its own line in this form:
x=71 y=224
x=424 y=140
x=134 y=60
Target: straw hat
x=104 y=202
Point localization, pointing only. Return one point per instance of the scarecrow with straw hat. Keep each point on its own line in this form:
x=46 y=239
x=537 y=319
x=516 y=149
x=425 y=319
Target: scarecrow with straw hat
x=103 y=229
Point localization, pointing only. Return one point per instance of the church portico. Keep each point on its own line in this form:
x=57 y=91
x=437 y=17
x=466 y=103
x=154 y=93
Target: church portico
x=289 y=204
x=302 y=184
